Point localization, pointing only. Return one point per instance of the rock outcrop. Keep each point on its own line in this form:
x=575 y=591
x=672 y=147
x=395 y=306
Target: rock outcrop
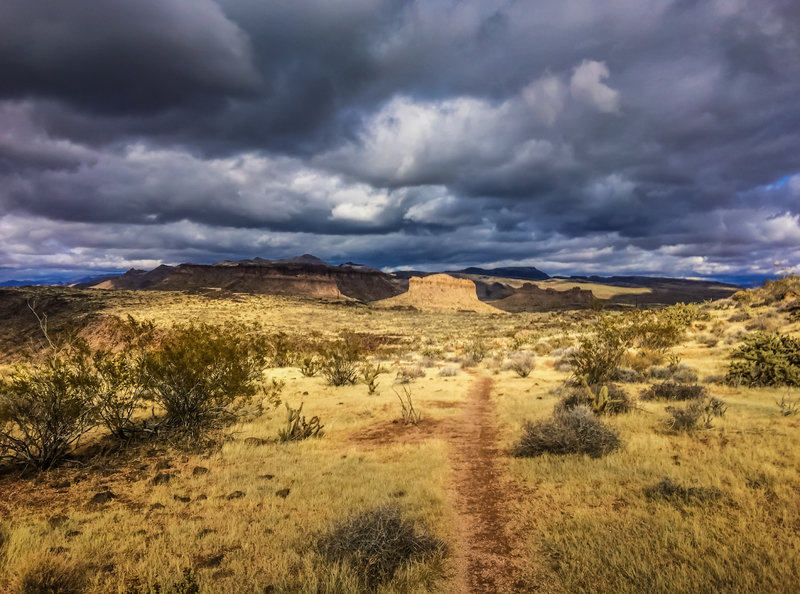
x=439 y=292
x=305 y=276
x=531 y=298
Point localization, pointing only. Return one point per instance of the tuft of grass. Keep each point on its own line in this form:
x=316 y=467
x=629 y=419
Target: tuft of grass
x=667 y=490
x=50 y=575
x=575 y=431
x=376 y=544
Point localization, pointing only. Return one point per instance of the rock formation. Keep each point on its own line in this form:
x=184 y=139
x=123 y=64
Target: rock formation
x=531 y=298
x=305 y=276
x=439 y=292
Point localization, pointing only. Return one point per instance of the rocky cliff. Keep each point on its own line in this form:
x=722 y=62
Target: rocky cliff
x=530 y=298
x=439 y=292
x=305 y=276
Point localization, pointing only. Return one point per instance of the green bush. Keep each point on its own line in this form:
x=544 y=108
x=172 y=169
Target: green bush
x=340 y=362
x=599 y=354
x=766 y=359
x=199 y=373
x=376 y=543
x=46 y=407
x=574 y=431
x=122 y=377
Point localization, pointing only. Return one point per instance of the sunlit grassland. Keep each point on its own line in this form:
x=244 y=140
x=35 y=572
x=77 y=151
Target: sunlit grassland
x=601 y=533
x=589 y=519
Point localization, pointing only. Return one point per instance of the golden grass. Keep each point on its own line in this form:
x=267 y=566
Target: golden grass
x=590 y=519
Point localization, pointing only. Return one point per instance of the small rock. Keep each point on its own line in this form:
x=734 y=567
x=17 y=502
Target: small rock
x=267 y=477
x=305 y=393
x=157 y=506
x=235 y=495
x=199 y=471
x=162 y=478
x=255 y=441
x=102 y=498
x=181 y=499
x=284 y=493
x=73 y=533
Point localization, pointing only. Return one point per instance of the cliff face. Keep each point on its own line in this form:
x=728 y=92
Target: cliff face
x=440 y=292
x=530 y=298
x=299 y=277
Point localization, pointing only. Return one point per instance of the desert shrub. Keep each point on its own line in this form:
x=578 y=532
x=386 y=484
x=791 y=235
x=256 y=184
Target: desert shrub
x=740 y=316
x=683 y=373
x=766 y=360
x=467 y=362
x=542 y=348
x=282 y=350
x=122 y=376
x=697 y=412
x=406 y=375
x=642 y=359
x=673 y=391
x=626 y=375
x=309 y=365
x=46 y=407
x=476 y=349
x=521 y=363
x=369 y=376
x=410 y=415
x=599 y=354
x=50 y=575
x=614 y=401
x=667 y=490
x=449 y=371
x=575 y=431
x=297 y=428
x=787 y=407
x=376 y=543
x=762 y=323
x=200 y=373
x=340 y=362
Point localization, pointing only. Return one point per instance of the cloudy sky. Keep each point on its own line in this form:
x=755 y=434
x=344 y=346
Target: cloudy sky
x=578 y=136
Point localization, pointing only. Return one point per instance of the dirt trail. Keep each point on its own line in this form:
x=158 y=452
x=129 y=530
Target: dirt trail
x=484 y=499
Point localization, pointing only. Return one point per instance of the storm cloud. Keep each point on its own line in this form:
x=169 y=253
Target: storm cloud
x=623 y=136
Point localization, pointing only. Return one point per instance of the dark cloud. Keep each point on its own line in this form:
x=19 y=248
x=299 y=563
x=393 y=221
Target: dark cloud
x=595 y=137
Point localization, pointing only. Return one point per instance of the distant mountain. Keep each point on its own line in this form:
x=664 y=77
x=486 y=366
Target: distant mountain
x=303 y=276
x=516 y=272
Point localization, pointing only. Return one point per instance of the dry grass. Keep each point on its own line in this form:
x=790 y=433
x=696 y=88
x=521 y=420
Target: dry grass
x=590 y=519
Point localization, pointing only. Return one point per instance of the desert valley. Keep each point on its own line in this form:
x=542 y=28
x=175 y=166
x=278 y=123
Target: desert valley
x=298 y=427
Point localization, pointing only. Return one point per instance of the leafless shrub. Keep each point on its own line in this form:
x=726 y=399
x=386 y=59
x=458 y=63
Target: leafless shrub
x=449 y=371
x=575 y=431
x=376 y=543
x=521 y=363
x=410 y=415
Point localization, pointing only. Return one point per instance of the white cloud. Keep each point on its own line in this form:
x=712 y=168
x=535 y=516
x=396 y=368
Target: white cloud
x=586 y=86
x=546 y=96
